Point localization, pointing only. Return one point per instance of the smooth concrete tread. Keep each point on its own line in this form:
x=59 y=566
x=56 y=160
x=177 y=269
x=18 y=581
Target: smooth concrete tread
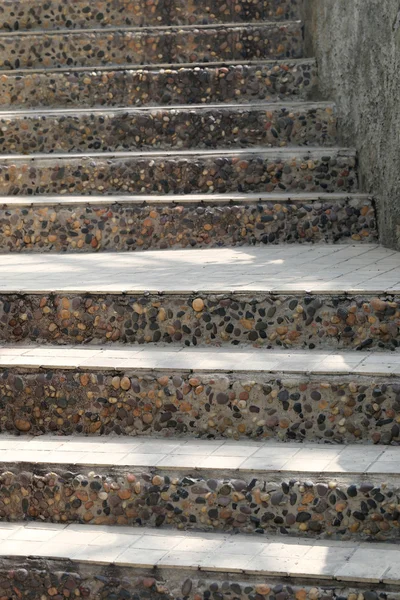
x=257 y=105
x=296 y=269
x=241 y=359
x=150 y=29
x=305 y=152
x=168 y=66
x=228 y=553
x=234 y=198
x=238 y=457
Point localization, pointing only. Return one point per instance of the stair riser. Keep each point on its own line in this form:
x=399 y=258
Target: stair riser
x=287 y=320
x=31 y=577
x=136 y=47
x=131 y=226
x=271 y=81
x=250 y=504
x=166 y=129
x=330 y=408
x=165 y=174
x=56 y=14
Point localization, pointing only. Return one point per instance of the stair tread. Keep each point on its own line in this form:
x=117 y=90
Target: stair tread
x=150 y=28
x=307 y=152
x=293 y=269
x=225 y=456
x=177 y=198
x=194 y=359
x=229 y=553
x=165 y=66
x=257 y=105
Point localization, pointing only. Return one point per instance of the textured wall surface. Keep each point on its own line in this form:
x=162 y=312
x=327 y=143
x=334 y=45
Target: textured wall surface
x=357 y=44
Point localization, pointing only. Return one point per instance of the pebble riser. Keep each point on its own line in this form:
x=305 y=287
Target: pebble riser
x=150 y=46
x=132 y=226
x=253 y=171
x=185 y=128
x=302 y=321
x=58 y=14
x=340 y=508
x=186 y=85
x=42 y=578
x=327 y=408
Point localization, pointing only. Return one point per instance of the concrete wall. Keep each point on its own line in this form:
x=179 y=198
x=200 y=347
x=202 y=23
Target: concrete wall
x=357 y=45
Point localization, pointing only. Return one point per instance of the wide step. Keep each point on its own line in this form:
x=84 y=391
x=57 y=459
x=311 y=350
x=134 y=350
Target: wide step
x=57 y=14
x=141 y=46
x=203 y=484
x=207 y=171
x=230 y=392
x=332 y=296
x=186 y=127
x=190 y=84
x=193 y=563
x=88 y=223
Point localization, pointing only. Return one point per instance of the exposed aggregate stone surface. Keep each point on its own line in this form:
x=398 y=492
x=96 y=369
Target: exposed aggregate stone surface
x=147 y=46
x=252 y=171
x=20 y=15
x=274 y=81
x=338 y=409
x=341 y=509
x=37 y=579
x=213 y=127
x=302 y=321
x=133 y=226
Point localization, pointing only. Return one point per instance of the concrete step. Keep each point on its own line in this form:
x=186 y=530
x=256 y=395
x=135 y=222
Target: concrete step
x=235 y=393
x=168 y=84
x=184 y=172
x=57 y=14
x=137 y=46
x=295 y=296
x=341 y=492
x=89 y=223
x=164 y=127
x=188 y=565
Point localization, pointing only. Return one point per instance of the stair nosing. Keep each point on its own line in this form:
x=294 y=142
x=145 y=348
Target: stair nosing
x=252 y=150
x=355 y=363
x=65 y=200
x=132 y=554
x=177 y=454
x=290 y=104
x=158 y=66
x=150 y=28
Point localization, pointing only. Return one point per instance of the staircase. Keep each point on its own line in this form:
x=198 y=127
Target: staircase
x=218 y=417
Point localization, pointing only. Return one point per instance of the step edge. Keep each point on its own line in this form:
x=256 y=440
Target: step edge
x=234 y=107
x=164 y=566
x=151 y=28
x=65 y=200
x=305 y=151
x=162 y=66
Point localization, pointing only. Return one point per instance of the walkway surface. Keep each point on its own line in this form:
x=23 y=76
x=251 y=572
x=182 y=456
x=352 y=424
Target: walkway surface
x=149 y=547
x=178 y=358
x=316 y=269
x=220 y=455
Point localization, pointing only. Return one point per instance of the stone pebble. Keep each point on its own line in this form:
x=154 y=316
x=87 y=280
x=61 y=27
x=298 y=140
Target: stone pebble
x=263 y=320
x=260 y=171
x=129 y=226
x=335 y=409
x=146 y=46
x=165 y=129
x=61 y=14
x=137 y=87
x=64 y=579
x=80 y=494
